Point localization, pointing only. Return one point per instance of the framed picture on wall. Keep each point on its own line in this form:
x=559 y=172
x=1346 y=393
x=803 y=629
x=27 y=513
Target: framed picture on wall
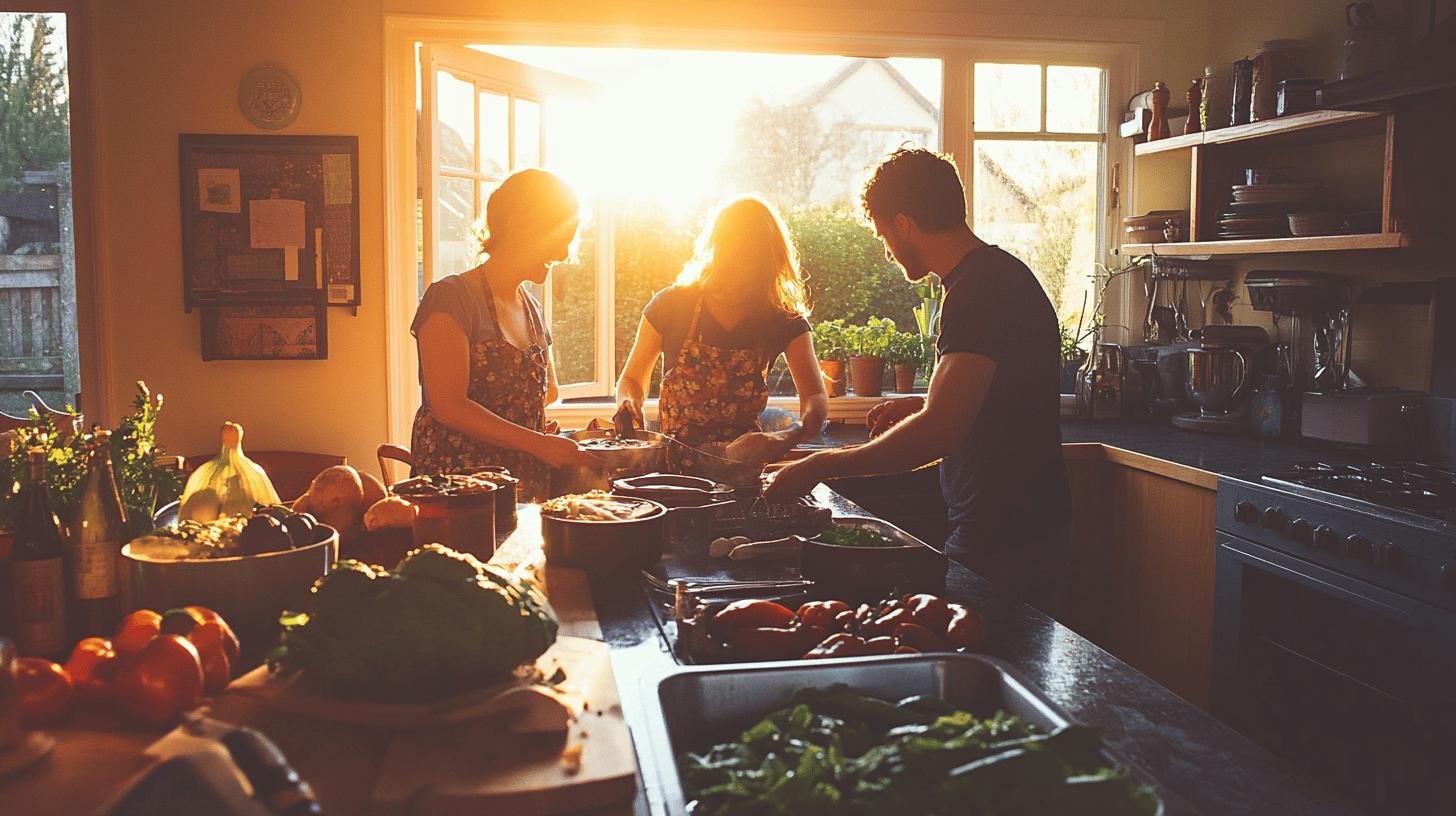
x=266 y=328
x=269 y=215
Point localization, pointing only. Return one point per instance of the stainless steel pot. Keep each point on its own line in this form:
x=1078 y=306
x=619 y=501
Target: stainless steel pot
x=1217 y=380
x=620 y=462
x=604 y=546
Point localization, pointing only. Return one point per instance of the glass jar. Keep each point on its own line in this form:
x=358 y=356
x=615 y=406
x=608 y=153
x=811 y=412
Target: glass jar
x=1240 y=89
x=1274 y=62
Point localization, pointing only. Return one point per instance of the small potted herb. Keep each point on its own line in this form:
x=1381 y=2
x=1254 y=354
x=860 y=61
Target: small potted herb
x=869 y=345
x=908 y=355
x=1073 y=356
x=828 y=337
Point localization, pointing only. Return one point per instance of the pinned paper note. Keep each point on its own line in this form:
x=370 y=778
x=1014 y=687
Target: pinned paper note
x=290 y=263
x=338 y=178
x=275 y=223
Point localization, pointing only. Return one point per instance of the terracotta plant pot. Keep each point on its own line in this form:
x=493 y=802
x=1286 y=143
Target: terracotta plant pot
x=833 y=371
x=867 y=376
x=905 y=378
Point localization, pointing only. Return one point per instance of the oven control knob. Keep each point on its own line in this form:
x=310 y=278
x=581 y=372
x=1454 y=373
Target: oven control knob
x=1302 y=532
x=1273 y=519
x=1360 y=548
x=1246 y=512
x=1325 y=538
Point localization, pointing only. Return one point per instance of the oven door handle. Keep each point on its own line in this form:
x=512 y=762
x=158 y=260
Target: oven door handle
x=1329 y=582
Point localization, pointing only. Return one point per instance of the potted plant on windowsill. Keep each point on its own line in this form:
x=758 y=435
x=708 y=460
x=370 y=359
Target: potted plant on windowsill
x=828 y=337
x=907 y=354
x=1073 y=356
x=869 y=345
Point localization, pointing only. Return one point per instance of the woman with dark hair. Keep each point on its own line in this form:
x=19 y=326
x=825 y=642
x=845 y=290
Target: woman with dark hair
x=738 y=305
x=485 y=364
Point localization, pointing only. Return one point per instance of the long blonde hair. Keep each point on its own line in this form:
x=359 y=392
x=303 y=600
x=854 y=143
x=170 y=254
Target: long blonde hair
x=746 y=243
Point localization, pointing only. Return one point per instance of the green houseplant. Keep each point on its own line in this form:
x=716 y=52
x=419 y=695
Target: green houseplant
x=829 y=347
x=869 y=345
x=909 y=352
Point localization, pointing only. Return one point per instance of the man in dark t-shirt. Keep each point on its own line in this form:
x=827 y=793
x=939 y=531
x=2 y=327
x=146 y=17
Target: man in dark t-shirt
x=992 y=412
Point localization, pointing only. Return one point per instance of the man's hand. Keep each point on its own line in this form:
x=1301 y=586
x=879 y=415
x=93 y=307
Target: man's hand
x=796 y=479
x=758 y=447
x=887 y=414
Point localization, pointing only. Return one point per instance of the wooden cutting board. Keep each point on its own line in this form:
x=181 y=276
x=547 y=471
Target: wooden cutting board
x=475 y=768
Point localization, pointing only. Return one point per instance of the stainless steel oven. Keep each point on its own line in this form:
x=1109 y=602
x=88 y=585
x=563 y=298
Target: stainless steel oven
x=1339 y=654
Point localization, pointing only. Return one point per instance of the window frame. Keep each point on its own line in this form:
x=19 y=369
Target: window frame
x=1110 y=43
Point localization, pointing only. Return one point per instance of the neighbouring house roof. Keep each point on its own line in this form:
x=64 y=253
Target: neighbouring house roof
x=818 y=94
x=29 y=206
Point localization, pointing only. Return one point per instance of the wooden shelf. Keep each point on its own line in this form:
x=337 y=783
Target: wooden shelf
x=1311 y=126
x=1271 y=246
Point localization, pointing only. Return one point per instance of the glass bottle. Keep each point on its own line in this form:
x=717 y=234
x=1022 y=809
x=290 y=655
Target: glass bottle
x=97 y=533
x=37 y=568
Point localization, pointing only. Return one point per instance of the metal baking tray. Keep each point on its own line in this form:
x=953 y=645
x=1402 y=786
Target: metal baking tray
x=692 y=709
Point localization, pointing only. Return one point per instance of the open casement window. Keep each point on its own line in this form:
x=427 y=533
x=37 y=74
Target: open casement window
x=1038 y=147
x=484 y=117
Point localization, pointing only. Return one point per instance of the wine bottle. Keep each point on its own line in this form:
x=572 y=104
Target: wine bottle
x=37 y=568
x=97 y=533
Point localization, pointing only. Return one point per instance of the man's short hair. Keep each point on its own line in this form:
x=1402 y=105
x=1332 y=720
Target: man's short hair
x=918 y=183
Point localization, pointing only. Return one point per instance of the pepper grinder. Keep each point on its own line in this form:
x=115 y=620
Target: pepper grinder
x=1158 y=128
x=1195 y=105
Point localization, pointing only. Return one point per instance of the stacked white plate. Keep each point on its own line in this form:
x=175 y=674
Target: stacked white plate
x=1280 y=193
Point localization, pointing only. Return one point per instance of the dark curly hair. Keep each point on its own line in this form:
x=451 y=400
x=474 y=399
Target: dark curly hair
x=919 y=183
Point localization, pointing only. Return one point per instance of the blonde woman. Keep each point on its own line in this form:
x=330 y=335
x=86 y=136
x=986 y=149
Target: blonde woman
x=738 y=305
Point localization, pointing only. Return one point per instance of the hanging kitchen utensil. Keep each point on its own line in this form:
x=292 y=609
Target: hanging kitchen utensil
x=1180 y=313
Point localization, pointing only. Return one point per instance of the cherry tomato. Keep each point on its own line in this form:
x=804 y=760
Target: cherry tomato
x=841 y=644
x=917 y=636
x=136 y=631
x=211 y=642
x=822 y=613
x=230 y=639
x=930 y=612
x=765 y=643
x=92 y=667
x=44 y=691
x=160 y=682
x=750 y=614
x=965 y=629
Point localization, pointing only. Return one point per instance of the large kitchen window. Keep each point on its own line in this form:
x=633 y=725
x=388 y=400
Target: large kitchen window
x=653 y=139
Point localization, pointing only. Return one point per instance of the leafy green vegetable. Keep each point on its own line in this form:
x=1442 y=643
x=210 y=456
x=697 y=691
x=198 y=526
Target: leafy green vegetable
x=834 y=751
x=856 y=537
x=439 y=623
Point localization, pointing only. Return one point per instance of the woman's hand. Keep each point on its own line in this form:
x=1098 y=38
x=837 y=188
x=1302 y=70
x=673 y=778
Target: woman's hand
x=560 y=452
x=758 y=446
x=635 y=407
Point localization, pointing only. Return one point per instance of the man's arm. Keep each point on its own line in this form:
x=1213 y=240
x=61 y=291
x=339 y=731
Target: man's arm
x=958 y=387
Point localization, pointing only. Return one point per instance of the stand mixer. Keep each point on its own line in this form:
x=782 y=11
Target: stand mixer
x=1221 y=372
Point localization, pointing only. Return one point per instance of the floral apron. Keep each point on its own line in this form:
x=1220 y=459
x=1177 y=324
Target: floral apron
x=510 y=383
x=711 y=395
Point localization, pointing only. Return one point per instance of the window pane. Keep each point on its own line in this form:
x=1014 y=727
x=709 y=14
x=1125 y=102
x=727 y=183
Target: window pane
x=1074 y=99
x=574 y=312
x=528 y=134
x=495 y=130
x=1038 y=201
x=38 y=339
x=455 y=213
x=1008 y=97
x=455 y=108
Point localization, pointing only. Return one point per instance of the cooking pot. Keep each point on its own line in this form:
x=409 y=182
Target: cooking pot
x=1217 y=380
x=619 y=462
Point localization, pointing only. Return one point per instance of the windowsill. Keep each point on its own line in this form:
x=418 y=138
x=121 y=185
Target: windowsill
x=850 y=410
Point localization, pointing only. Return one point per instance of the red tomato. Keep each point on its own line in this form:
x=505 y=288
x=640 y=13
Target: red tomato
x=160 y=682
x=136 y=631
x=885 y=624
x=930 y=612
x=230 y=640
x=882 y=645
x=751 y=614
x=822 y=613
x=841 y=644
x=966 y=628
x=92 y=666
x=918 y=637
x=44 y=690
x=211 y=642
x=766 y=643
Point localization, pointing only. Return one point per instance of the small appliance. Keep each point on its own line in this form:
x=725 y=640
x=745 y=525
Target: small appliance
x=1221 y=372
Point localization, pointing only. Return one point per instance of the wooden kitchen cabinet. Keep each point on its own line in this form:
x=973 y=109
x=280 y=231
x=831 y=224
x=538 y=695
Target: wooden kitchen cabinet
x=1143 y=563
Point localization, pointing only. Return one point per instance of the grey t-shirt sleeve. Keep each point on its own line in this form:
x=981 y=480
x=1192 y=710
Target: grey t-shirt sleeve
x=449 y=296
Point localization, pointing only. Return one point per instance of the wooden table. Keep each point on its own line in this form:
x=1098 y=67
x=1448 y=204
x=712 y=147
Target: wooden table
x=97 y=754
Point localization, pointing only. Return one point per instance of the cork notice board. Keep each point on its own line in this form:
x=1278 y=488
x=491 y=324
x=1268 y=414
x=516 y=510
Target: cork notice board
x=274 y=216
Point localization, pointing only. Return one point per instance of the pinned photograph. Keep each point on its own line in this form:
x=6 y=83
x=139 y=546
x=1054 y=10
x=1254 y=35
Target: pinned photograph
x=219 y=189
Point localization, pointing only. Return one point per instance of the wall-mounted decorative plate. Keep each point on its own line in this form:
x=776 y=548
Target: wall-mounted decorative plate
x=269 y=97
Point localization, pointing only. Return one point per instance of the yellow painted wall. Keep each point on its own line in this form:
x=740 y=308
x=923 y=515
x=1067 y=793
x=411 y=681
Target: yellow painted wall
x=164 y=67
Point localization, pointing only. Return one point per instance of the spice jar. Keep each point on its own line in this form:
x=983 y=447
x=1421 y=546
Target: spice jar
x=1274 y=62
x=1240 y=89
x=1214 y=110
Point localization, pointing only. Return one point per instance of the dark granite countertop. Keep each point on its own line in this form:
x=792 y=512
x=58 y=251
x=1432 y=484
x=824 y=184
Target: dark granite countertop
x=1215 y=453
x=1202 y=765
